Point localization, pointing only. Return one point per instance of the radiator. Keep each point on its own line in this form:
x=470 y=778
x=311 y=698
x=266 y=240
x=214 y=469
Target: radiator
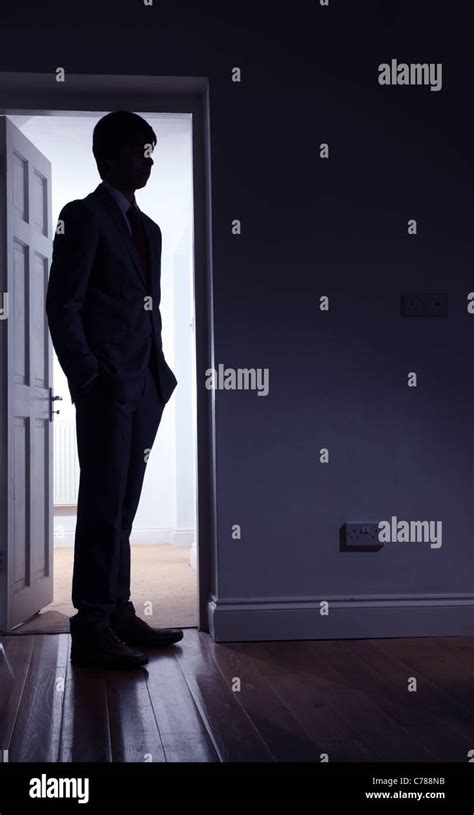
x=66 y=463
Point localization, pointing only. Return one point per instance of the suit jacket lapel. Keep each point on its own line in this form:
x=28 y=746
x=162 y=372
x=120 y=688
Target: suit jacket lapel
x=117 y=217
x=153 y=259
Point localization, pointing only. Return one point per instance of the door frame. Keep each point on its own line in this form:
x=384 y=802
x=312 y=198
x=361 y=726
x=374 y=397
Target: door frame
x=40 y=94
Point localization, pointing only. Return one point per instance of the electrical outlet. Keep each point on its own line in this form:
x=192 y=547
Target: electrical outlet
x=424 y=305
x=360 y=536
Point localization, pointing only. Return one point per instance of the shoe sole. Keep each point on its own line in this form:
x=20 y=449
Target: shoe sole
x=139 y=643
x=84 y=662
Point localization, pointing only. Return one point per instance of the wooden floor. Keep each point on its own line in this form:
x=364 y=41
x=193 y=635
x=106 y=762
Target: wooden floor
x=347 y=698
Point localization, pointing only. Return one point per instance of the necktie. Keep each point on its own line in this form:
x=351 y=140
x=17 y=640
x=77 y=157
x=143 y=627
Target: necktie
x=139 y=236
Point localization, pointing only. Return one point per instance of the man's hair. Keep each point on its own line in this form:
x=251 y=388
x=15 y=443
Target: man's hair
x=118 y=129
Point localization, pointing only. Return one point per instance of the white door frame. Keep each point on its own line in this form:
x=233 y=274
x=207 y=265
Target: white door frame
x=40 y=94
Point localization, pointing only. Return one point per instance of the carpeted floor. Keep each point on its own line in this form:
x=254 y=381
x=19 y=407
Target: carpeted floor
x=163 y=590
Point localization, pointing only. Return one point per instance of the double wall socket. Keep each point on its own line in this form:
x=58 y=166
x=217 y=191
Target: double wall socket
x=424 y=305
x=363 y=537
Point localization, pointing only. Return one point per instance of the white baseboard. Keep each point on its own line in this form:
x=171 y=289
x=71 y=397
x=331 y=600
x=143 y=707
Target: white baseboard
x=355 y=618
x=183 y=537
x=193 y=558
x=152 y=536
x=64 y=537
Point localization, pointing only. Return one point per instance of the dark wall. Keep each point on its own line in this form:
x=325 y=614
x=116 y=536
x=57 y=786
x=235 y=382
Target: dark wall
x=313 y=227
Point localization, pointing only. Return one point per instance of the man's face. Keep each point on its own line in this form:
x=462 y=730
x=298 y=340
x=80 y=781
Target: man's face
x=131 y=169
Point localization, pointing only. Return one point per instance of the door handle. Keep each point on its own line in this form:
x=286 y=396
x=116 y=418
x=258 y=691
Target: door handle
x=51 y=400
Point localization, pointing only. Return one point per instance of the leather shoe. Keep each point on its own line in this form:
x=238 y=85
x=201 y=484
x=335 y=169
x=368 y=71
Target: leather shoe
x=102 y=649
x=135 y=631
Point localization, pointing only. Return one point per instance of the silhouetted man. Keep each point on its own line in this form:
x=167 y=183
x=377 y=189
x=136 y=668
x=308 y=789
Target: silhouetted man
x=103 y=312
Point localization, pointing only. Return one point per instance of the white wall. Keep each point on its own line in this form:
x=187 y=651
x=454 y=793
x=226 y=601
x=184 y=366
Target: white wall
x=167 y=507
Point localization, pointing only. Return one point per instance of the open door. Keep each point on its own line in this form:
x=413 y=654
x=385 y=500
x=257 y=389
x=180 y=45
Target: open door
x=26 y=441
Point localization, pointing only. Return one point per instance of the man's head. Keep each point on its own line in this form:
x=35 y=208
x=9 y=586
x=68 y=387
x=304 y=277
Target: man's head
x=122 y=144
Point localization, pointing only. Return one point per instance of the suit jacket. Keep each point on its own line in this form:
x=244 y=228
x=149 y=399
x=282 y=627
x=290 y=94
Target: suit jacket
x=99 y=319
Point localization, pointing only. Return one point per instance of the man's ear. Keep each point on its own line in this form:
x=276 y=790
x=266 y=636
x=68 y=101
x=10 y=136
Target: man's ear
x=108 y=164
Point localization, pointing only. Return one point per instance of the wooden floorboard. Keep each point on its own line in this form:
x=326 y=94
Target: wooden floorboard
x=183 y=733
x=200 y=701
x=231 y=731
x=85 y=730
x=427 y=714
x=15 y=658
x=134 y=734
x=286 y=737
x=37 y=730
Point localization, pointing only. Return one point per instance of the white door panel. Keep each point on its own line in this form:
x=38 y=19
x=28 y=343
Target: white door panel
x=26 y=478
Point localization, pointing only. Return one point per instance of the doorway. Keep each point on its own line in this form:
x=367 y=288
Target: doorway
x=181 y=517
x=163 y=539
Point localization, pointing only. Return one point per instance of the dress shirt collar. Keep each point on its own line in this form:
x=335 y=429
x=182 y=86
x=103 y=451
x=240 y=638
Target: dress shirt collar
x=120 y=198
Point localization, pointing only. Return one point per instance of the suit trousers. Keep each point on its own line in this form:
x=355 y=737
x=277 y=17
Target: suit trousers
x=113 y=440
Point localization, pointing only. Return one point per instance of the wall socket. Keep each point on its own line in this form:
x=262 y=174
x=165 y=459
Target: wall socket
x=360 y=537
x=424 y=305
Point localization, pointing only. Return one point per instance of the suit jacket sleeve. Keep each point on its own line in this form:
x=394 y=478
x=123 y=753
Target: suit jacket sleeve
x=73 y=258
